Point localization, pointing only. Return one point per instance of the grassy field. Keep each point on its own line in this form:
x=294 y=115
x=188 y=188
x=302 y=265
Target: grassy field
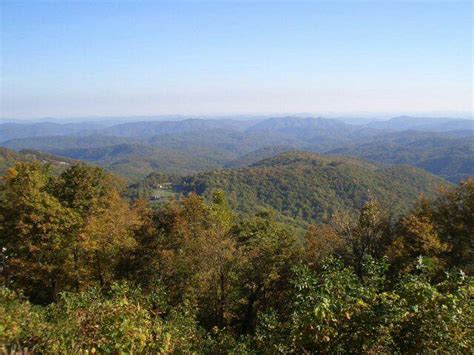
x=162 y=193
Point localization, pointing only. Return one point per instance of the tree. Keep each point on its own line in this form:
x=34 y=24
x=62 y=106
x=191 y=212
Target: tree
x=267 y=251
x=61 y=233
x=367 y=235
x=186 y=246
x=416 y=236
x=452 y=213
x=107 y=221
x=441 y=228
x=36 y=234
x=334 y=310
x=84 y=188
x=107 y=234
x=321 y=241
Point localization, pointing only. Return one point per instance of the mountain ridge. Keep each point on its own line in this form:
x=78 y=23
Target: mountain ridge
x=311 y=187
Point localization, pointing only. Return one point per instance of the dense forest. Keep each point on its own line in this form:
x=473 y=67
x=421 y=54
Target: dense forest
x=449 y=157
x=311 y=187
x=443 y=147
x=86 y=269
x=8 y=159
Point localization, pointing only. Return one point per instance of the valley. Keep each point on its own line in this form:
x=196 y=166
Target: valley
x=300 y=169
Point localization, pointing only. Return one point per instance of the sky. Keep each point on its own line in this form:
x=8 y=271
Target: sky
x=348 y=57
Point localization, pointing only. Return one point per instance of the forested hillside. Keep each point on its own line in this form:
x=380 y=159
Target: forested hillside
x=85 y=270
x=134 y=158
x=312 y=187
x=186 y=146
x=257 y=155
x=446 y=156
x=8 y=158
x=137 y=160
x=151 y=129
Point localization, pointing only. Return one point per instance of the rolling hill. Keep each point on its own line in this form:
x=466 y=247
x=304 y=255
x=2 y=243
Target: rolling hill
x=449 y=157
x=311 y=187
x=228 y=144
x=136 y=149
x=8 y=158
x=134 y=161
x=56 y=143
x=149 y=129
x=312 y=133
x=257 y=155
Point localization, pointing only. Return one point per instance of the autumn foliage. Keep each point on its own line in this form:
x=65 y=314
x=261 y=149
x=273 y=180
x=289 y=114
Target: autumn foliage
x=83 y=268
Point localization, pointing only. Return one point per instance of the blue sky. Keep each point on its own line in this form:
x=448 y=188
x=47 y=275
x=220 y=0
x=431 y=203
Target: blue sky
x=81 y=58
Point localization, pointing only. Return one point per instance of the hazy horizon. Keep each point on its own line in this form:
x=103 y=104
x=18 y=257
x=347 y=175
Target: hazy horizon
x=340 y=58
x=366 y=117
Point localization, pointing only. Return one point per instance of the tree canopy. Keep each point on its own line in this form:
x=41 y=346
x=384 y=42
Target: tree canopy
x=84 y=268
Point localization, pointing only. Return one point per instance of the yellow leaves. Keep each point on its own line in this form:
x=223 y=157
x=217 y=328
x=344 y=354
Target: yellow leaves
x=10 y=174
x=109 y=228
x=166 y=346
x=417 y=236
x=361 y=304
x=17 y=317
x=62 y=229
x=396 y=249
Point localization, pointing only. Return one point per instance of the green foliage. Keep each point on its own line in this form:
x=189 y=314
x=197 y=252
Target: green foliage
x=122 y=320
x=441 y=229
x=101 y=274
x=36 y=231
x=446 y=156
x=336 y=311
x=310 y=187
x=61 y=233
x=8 y=159
x=20 y=323
x=266 y=252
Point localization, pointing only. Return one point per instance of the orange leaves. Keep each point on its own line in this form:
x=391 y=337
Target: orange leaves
x=10 y=174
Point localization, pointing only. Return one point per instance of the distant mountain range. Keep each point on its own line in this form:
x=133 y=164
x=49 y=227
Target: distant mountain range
x=404 y=123
x=296 y=126
x=449 y=157
x=136 y=149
